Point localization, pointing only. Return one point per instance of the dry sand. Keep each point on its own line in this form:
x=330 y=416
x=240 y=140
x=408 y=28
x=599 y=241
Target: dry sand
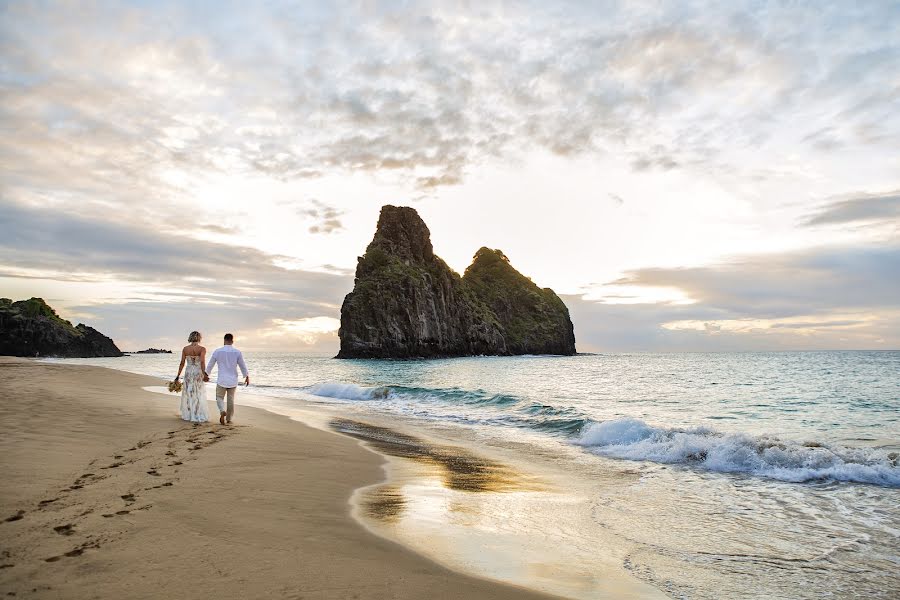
x=107 y=494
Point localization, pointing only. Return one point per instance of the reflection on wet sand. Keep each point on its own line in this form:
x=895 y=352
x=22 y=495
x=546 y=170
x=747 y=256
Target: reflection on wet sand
x=458 y=468
x=477 y=514
x=384 y=503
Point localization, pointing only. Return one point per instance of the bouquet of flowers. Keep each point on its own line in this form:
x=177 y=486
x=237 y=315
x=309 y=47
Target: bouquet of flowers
x=175 y=386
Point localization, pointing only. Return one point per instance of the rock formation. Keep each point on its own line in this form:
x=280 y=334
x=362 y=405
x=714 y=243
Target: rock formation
x=407 y=303
x=533 y=320
x=32 y=328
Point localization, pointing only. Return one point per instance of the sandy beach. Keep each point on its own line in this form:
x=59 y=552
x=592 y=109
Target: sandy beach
x=107 y=494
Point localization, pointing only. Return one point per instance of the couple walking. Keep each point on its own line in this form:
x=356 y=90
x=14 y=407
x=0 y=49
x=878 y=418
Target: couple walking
x=196 y=372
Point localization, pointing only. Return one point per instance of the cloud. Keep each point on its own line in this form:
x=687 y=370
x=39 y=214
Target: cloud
x=832 y=297
x=326 y=218
x=174 y=281
x=120 y=119
x=217 y=228
x=657 y=161
x=137 y=324
x=823 y=298
x=771 y=286
x=111 y=99
x=304 y=332
x=860 y=209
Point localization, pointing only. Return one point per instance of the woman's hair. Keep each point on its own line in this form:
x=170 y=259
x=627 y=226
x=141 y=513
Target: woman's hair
x=195 y=337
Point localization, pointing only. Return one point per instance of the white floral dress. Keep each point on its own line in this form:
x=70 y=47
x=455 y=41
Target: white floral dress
x=193 y=392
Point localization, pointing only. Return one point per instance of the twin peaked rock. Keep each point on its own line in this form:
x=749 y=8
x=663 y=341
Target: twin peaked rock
x=407 y=303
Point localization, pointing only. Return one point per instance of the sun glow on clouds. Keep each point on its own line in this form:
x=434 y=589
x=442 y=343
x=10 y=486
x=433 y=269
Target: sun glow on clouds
x=298 y=332
x=800 y=325
x=230 y=167
x=638 y=294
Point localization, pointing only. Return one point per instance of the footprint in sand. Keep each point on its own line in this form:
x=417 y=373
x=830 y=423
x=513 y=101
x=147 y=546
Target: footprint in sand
x=15 y=517
x=115 y=465
x=153 y=472
x=128 y=497
x=73 y=552
x=46 y=502
x=68 y=529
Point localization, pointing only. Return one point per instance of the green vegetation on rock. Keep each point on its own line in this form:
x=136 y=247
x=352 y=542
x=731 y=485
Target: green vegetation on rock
x=406 y=302
x=32 y=308
x=32 y=328
x=534 y=320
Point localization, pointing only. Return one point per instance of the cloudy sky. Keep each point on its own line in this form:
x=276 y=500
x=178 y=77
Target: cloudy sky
x=688 y=176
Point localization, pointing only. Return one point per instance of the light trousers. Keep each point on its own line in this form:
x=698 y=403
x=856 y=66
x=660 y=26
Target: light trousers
x=221 y=393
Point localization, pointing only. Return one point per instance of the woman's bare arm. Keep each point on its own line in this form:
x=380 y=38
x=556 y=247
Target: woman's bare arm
x=203 y=361
x=181 y=366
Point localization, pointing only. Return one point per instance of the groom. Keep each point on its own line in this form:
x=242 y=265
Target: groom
x=229 y=359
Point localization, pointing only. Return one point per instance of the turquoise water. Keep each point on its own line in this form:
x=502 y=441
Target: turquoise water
x=755 y=474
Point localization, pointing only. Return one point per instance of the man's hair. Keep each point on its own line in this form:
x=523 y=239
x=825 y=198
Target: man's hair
x=229 y=337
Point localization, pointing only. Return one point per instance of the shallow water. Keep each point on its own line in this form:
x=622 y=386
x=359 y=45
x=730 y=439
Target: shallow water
x=705 y=475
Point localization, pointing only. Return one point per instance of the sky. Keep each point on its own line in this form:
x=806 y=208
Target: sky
x=687 y=176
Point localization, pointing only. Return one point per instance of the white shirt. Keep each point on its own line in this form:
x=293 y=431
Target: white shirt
x=229 y=359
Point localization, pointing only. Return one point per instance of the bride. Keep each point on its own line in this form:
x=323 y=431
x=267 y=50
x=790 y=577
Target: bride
x=193 y=392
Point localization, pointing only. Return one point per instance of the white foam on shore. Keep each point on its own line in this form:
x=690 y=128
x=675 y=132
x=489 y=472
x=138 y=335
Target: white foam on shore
x=769 y=457
x=348 y=391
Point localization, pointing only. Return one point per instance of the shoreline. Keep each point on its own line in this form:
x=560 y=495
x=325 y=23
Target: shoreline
x=425 y=474
x=676 y=530
x=108 y=494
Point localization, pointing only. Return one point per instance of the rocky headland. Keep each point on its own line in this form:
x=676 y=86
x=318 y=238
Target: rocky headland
x=32 y=328
x=407 y=303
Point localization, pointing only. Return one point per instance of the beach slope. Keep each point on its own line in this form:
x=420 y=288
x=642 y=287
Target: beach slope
x=107 y=494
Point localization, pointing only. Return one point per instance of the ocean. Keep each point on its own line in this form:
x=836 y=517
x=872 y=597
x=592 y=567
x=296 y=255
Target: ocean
x=721 y=475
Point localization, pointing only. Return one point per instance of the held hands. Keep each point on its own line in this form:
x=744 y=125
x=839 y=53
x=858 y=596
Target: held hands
x=206 y=377
x=247 y=380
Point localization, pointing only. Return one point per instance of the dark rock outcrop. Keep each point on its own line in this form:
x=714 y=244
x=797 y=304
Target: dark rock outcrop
x=533 y=320
x=407 y=303
x=32 y=328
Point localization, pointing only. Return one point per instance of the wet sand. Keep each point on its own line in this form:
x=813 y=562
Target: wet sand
x=488 y=515
x=107 y=494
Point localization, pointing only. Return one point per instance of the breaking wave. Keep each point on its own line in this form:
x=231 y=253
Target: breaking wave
x=633 y=439
x=348 y=391
x=762 y=456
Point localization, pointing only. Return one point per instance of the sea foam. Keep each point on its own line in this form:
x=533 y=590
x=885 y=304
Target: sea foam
x=348 y=391
x=762 y=456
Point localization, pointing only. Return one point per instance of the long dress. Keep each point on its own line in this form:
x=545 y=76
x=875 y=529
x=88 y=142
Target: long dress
x=193 y=392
